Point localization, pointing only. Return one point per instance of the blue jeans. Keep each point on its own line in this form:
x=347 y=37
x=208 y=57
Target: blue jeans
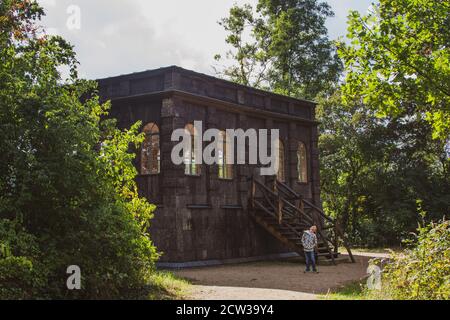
x=310 y=260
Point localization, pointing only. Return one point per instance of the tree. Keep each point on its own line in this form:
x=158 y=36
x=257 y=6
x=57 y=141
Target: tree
x=282 y=46
x=399 y=58
x=67 y=191
x=374 y=170
x=249 y=57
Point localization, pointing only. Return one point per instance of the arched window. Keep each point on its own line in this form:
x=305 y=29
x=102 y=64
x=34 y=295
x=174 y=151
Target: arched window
x=280 y=160
x=302 y=163
x=150 y=152
x=191 y=166
x=225 y=168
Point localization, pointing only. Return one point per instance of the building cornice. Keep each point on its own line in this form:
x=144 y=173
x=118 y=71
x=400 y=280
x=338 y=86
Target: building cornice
x=217 y=103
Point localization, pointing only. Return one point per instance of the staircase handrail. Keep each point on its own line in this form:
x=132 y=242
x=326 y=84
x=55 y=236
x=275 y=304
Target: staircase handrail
x=337 y=228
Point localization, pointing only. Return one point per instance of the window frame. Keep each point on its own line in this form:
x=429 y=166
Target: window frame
x=190 y=128
x=226 y=168
x=300 y=171
x=281 y=164
x=151 y=130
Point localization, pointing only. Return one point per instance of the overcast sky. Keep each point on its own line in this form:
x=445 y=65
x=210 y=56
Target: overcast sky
x=115 y=37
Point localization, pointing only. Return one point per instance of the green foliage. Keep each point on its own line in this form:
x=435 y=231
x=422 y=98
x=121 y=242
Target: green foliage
x=399 y=59
x=377 y=152
x=18 y=277
x=373 y=171
x=423 y=271
x=351 y=291
x=282 y=46
x=166 y=286
x=248 y=55
x=67 y=191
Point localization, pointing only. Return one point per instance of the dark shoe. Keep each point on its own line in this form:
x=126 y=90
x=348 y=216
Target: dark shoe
x=306 y=271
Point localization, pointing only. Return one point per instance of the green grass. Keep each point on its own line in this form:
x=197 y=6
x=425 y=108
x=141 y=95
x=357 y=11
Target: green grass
x=355 y=291
x=350 y=291
x=372 y=250
x=164 y=285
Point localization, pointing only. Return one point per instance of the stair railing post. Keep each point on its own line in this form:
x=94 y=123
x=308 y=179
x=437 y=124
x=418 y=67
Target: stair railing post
x=280 y=210
x=253 y=193
x=301 y=207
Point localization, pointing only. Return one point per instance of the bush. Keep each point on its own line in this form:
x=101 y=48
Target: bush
x=18 y=275
x=423 y=271
x=67 y=190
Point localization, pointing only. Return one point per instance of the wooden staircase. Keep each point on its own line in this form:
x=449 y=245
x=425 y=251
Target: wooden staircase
x=286 y=215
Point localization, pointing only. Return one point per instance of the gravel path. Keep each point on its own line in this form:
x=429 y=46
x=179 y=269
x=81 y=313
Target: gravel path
x=200 y=292
x=279 y=280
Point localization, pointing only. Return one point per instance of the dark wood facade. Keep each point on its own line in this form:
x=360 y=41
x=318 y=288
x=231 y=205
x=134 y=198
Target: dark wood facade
x=204 y=217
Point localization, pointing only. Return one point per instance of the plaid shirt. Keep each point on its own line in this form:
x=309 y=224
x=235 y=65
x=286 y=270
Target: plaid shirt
x=309 y=241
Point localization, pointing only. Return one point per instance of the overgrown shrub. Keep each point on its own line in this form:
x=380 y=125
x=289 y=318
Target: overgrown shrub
x=67 y=190
x=18 y=275
x=423 y=271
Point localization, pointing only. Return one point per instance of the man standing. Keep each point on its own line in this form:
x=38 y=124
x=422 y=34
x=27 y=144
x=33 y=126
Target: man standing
x=309 y=242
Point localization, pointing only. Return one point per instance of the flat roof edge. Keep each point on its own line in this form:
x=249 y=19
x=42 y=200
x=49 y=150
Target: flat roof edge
x=162 y=70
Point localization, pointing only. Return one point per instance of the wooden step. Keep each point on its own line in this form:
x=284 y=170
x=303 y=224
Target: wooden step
x=266 y=195
x=285 y=222
x=294 y=239
x=328 y=262
x=327 y=254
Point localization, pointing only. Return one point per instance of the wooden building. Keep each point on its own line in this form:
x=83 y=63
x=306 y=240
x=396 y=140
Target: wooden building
x=221 y=212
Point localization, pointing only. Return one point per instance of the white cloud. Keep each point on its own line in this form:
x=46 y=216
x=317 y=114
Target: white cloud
x=47 y=3
x=337 y=26
x=118 y=37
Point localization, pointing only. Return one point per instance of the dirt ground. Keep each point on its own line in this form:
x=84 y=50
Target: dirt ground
x=279 y=280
